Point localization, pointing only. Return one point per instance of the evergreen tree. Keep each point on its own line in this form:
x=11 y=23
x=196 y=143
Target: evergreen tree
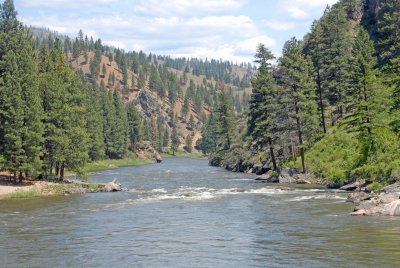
x=337 y=53
x=262 y=122
x=175 y=141
x=365 y=86
x=388 y=45
x=66 y=138
x=135 y=123
x=317 y=46
x=21 y=113
x=189 y=143
x=166 y=137
x=186 y=106
x=298 y=96
x=208 y=143
x=224 y=121
x=94 y=120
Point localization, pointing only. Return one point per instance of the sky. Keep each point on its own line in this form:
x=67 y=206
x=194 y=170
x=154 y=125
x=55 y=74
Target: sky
x=218 y=29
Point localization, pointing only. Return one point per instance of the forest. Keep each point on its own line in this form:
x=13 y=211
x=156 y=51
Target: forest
x=66 y=102
x=329 y=106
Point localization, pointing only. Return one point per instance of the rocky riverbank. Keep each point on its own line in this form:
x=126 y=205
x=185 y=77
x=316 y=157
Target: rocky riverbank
x=385 y=202
x=10 y=189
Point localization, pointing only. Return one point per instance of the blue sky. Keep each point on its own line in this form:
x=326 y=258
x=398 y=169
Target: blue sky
x=227 y=29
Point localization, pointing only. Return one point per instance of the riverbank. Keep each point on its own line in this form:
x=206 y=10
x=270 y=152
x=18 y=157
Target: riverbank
x=11 y=189
x=184 y=154
x=116 y=163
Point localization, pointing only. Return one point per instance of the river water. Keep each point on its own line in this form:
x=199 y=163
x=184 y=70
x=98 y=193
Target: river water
x=183 y=213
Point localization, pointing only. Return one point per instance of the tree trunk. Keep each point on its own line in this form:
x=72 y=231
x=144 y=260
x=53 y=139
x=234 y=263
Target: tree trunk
x=57 y=168
x=62 y=171
x=321 y=103
x=271 y=151
x=300 y=135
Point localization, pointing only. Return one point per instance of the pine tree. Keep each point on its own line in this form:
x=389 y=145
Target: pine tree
x=66 y=137
x=298 y=94
x=337 y=54
x=367 y=93
x=208 y=143
x=317 y=46
x=175 y=141
x=21 y=112
x=186 y=106
x=166 y=137
x=189 y=143
x=224 y=121
x=388 y=46
x=94 y=120
x=262 y=122
x=135 y=123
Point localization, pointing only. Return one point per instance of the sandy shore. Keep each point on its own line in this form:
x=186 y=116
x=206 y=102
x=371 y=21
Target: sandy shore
x=6 y=190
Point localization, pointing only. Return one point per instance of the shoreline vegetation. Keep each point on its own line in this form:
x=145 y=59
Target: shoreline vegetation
x=11 y=188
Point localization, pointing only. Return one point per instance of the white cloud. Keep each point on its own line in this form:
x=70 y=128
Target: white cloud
x=63 y=3
x=229 y=37
x=248 y=46
x=297 y=13
x=279 y=25
x=304 y=9
x=187 y=7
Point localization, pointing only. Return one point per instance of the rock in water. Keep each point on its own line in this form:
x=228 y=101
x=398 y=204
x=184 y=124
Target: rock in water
x=158 y=158
x=386 y=202
x=114 y=186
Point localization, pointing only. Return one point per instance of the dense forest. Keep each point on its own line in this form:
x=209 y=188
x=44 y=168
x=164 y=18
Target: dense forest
x=65 y=102
x=330 y=105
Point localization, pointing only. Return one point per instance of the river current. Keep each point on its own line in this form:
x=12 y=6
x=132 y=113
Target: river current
x=183 y=213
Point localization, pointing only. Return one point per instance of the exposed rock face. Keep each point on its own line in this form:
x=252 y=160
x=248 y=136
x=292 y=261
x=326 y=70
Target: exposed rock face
x=147 y=102
x=114 y=186
x=386 y=202
x=146 y=151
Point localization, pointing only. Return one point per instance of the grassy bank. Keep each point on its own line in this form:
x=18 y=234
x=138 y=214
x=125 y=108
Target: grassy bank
x=111 y=164
x=34 y=192
x=183 y=153
x=41 y=189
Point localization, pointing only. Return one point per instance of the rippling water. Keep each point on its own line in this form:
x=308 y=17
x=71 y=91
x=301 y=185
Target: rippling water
x=183 y=213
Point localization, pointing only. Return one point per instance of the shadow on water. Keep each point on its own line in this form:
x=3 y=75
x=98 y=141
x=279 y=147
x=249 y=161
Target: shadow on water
x=183 y=213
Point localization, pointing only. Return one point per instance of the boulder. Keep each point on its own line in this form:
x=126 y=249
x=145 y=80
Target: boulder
x=386 y=202
x=354 y=186
x=285 y=178
x=158 y=158
x=114 y=186
x=393 y=188
x=357 y=197
x=269 y=177
x=334 y=185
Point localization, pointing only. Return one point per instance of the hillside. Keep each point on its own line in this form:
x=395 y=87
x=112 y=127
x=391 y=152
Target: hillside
x=151 y=104
x=330 y=107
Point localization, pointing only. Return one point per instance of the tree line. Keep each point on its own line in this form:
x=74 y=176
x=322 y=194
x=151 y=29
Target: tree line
x=338 y=82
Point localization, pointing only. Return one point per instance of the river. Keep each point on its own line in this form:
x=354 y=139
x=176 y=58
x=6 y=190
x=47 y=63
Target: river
x=183 y=213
